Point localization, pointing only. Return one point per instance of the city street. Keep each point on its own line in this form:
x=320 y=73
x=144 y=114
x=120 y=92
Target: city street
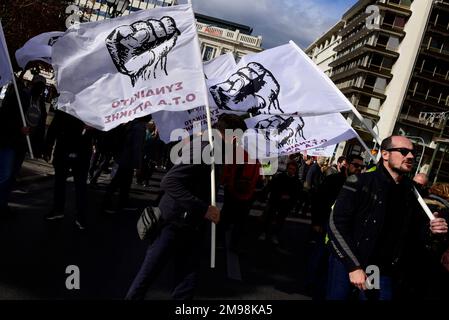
x=35 y=252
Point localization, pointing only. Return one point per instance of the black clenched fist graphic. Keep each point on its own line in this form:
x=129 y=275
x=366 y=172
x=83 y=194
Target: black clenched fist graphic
x=288 y=129
x=252 y=88
x=138 y=49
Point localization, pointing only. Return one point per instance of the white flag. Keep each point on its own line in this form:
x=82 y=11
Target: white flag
x=113 y=71
x=282 y=80
x=322 y=151
x=5 y=69
x=220 y=66
x=167 y=121
x=37 y=48
x=292 y=134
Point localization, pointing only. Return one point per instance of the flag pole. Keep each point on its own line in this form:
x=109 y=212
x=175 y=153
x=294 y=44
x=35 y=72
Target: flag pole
x=22 y=115
x=212 y=165
x=366 y=148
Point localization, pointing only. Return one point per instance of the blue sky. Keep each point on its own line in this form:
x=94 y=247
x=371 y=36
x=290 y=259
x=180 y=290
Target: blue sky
x=279 y=21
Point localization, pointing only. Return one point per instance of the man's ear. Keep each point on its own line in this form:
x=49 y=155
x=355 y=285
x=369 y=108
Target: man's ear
x=385 y=155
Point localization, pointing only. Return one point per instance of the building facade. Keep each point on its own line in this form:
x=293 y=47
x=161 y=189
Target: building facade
x=322 y=51
x=393 y=66
x=216 y=36
x=94 y=10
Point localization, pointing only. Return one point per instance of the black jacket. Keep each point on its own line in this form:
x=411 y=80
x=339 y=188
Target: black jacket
x=358 y=215
x=186 y=193
x=70 y=135
x=327 y=194
x=11 y=121
x=283 y=188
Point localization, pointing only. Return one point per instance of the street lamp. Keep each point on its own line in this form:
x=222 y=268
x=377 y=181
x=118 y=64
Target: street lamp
x=116 y=7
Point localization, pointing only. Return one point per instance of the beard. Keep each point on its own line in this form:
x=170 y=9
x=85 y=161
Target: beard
x=401 y=169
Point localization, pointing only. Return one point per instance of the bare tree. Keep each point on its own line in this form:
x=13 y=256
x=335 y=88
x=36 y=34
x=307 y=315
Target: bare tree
x=25 y=19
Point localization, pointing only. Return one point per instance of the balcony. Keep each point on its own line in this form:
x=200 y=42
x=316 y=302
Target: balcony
x=370 y=113
x=353 y=24
x=233 y=36
x=353 y=39
x=433 y=77
x=426 y=99
x=434 y=52
x=392 y=29
x=362 y=50
x=443 y=5
x=408 y=119
x=372 y=69
x=366 y=90
x=396 y=8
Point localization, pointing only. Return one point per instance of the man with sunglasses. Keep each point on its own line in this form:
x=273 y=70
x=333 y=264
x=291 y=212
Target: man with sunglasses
x=376 y=221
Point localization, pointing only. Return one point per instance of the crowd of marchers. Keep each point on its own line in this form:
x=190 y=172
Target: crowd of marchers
x=361 y=215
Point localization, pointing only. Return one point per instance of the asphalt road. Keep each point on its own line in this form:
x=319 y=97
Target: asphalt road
x=35 y=253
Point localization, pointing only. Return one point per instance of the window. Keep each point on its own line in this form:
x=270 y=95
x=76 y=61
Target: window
x=374 y=104
x=364 y=101
x=370 y=80
x=399 y=22
x=376 y=60
x=436 y=43
x=393 y=43
x=382 y=40
x=208 y=53
x=387 y=63
x=380 y=85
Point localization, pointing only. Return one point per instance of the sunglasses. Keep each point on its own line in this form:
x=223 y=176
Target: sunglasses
x=357 y=165
x=403 y=151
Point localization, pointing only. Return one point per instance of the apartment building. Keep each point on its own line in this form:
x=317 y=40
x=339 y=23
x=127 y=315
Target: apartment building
x=322 y=51
x=393 y=66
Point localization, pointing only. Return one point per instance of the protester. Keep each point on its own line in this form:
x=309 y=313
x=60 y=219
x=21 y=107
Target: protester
x=185 y=212
x=130 y=159
x=430 y=279
x=321 y=208
x=284 y=191
x=71 y=155
x=313 y=180
x=13 y=145
x=421 y=180
x=148 y=162
x=336 y=168
x=303 y=204
x=239 y=181
x=376 y=221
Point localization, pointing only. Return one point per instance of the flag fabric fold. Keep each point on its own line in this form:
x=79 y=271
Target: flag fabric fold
x=281 y=80
x=279 y=135
x=221 y=65
x=115 y=70
x=168 y=121
x=37 y=48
